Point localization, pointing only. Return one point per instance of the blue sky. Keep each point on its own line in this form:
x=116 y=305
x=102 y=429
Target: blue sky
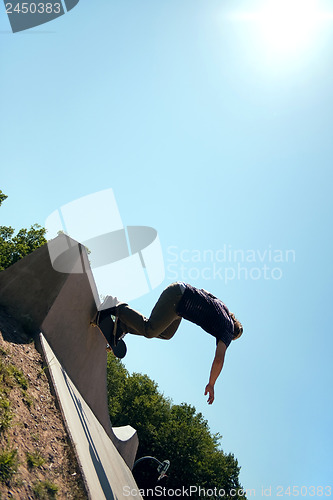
x=212 y=124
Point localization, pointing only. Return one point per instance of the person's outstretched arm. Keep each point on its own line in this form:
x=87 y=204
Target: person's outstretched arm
x=215 y=370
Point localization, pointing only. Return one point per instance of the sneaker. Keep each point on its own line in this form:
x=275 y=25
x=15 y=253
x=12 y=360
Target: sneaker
x=102 y=313
x=110 y=305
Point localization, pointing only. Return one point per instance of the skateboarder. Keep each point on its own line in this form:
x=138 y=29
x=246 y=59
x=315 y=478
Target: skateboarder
x=180 y=300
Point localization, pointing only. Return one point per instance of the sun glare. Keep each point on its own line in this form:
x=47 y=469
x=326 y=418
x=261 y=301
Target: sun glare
x=287 y=26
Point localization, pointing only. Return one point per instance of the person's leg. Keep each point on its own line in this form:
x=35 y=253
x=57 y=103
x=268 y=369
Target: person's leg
x=170 y=330
x=163 y=321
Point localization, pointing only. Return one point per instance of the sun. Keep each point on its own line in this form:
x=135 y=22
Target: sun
x=287 y=26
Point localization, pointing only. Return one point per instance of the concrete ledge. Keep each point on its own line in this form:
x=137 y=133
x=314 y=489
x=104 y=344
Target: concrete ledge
x=105 y=473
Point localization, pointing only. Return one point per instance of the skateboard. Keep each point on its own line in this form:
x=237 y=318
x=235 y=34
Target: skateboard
x=106 y=327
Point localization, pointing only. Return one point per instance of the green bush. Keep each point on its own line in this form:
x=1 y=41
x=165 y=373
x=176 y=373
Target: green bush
x=8 y=465
x=35 y=459
x=6 y=414
x=45 y=490
x=18 y=376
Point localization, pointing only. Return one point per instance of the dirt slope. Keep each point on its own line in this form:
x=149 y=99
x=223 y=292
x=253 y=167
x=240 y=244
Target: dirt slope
x=36 y=459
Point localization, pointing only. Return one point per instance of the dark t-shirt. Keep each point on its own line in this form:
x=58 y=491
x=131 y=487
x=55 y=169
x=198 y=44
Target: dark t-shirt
x=208 y=312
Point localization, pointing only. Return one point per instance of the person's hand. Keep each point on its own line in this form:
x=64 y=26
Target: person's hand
x=210 y=391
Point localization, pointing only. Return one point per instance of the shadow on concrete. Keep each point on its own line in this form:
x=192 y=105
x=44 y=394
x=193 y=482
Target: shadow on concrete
x=102 y=477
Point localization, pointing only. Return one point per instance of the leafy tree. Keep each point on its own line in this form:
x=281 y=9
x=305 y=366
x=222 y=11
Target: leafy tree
x=174 y=432
x=14 y=247
x=2 y=197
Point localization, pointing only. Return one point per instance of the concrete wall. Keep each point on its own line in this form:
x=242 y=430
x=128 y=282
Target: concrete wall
x=61 y=305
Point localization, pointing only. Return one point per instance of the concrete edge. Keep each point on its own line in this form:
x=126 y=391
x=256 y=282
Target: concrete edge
x=41 y=349
x=104 y=470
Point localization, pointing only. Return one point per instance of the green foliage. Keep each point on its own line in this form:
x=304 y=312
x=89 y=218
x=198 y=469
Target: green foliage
x=13 y=248
x=17 y=375
x=27 y=399
x=8 y=465
x=173 y=432
x=117 y=377
x=35 y=459
x=45 y=490
x=5 y=379
x=136 y=399
x=10 y=376
x=2 y=197
x=6 y=415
